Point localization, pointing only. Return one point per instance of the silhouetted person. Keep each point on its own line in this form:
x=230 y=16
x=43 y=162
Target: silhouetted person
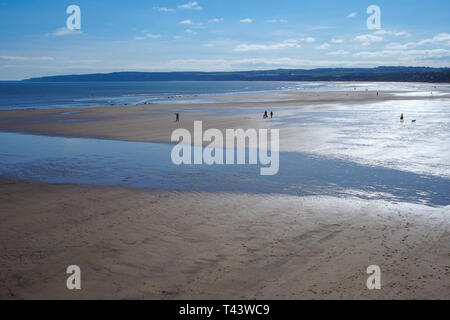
x=401 y=117
x=265 y=116
x=177 y=117
x=271 y=114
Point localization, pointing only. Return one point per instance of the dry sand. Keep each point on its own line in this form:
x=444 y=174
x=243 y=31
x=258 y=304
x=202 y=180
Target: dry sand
x=137 y=244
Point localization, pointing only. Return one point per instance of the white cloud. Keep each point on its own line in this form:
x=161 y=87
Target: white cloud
x=397 y=34
x=185 y=22
x=338 y=53
x=162 y=9
x=324 y=46
x=422 y=54
x=368 y=39
x=310 y=39
x=215 y=20
x=20 y=58
x=440 y=39
x=148 y=36
x=286 y=44
x=402 y=33
x=352 y=15
x=381 y=32
x=246 y=20
x=65 y=31
x=337 y=40
x=153 y=36
x=188 y=31
x=193 y=5
x=275 y=21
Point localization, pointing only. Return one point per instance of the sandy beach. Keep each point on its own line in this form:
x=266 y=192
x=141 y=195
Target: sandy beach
x=154 y=244
x=156 y=122
x=137 y=244
x=215 y=156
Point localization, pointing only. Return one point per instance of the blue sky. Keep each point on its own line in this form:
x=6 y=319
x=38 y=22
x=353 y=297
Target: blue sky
x=217 y=35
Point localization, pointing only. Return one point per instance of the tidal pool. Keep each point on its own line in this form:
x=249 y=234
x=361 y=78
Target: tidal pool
x=149 y=165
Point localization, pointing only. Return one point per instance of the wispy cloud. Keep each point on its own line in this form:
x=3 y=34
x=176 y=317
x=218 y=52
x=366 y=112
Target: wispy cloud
x=215 y=20
x=368 y=39
x=65 y=32
x=246 y=20
x=334 y=40
x=392 y=33
x=163 y=9
x=286 y=44
x=338 y=53
x=148 y=36
x=324 y=46
x=186 y=22
x=440 y=39
x=277 y=20
x=422 y=54
x=20 y=58
x=352 y=15
x=193 y=5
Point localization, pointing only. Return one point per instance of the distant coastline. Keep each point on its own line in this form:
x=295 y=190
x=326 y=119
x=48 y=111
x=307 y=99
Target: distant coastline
x=380 y=74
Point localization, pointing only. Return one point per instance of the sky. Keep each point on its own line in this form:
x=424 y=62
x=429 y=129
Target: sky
x=218 y=35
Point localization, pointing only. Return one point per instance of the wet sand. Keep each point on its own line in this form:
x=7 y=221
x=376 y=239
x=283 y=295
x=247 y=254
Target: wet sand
x=156 y=122
x=133 y=244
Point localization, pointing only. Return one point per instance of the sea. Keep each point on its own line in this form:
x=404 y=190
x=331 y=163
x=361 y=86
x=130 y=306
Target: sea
x=48 y=95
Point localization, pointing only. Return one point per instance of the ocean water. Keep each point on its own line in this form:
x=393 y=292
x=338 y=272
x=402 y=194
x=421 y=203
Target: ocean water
x=27 y=95
x=44 y=95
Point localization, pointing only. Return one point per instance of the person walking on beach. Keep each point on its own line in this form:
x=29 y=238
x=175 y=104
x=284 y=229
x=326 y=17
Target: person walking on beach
x=177 y=117
x=401 y=117
x=271 y=114
x=265 y=116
